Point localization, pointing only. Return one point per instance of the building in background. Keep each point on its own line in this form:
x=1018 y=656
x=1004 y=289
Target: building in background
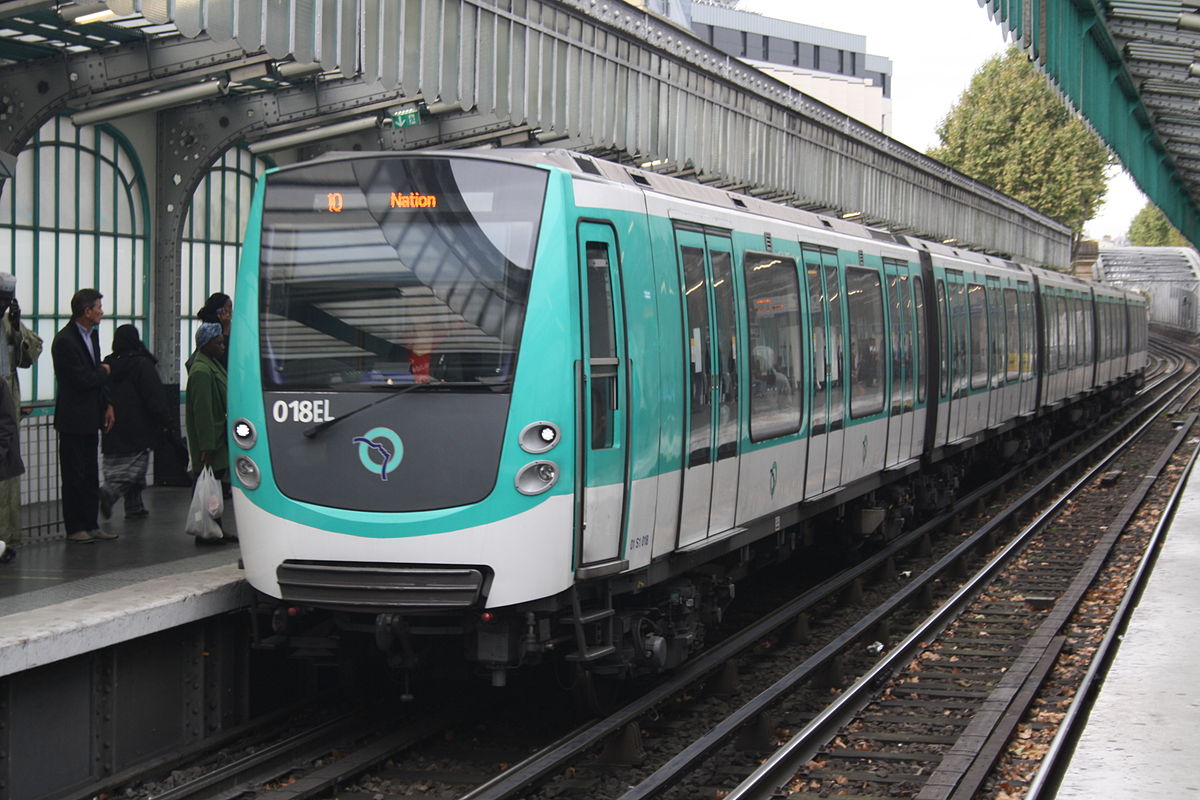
x=830 y=66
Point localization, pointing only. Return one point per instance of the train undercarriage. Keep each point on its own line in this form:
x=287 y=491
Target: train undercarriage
x=626 y=626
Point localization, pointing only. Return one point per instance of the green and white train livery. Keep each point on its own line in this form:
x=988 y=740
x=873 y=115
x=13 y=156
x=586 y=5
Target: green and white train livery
x=531 y=403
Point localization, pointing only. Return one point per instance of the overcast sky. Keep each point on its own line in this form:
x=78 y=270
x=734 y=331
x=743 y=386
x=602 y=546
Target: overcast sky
x=935 y=47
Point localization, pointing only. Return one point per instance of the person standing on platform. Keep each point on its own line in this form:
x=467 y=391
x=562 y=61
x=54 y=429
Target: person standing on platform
x=82 y=408
x=217 y=308
x=11 y=465
x=142 y=420
x=19 y=348
x=205 y=414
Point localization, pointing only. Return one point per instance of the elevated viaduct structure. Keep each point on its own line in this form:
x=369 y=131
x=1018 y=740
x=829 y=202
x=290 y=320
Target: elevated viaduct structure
x=186 y=83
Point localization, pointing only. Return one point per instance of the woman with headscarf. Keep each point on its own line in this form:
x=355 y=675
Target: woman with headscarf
x=205 y=413
x=143 y=417
x=217 y=308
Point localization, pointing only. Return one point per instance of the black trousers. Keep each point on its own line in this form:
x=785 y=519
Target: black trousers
x=78 y=465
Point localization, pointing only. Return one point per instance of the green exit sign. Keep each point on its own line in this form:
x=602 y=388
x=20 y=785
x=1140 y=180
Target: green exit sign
x=406 y=117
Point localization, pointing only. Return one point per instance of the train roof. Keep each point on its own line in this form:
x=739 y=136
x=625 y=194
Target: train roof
x=586 y=167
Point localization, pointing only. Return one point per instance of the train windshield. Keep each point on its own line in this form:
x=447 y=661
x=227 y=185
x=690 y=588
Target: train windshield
x=388 y=272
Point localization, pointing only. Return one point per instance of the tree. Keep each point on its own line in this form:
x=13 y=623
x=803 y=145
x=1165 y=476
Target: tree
x=1150 y=228
x=1011 y=131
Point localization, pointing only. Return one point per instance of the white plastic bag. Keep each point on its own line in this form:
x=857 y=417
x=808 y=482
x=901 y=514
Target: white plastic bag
x=206 y=508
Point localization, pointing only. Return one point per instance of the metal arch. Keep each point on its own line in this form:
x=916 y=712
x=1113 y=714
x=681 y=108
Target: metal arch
x=608 y=75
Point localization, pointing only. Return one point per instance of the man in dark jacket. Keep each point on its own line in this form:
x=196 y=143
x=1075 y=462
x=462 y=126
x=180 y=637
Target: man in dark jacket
x=143 y=418
x=81 y=410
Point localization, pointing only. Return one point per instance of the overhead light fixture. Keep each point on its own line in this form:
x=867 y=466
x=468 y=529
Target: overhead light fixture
x=950 y=241
x=150 y=102
x=1189 y=21
x=313 y=135
x=545 y=137
x=84 y=12
x=852 y=215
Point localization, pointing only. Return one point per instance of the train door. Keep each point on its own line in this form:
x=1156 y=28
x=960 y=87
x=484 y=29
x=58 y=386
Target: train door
x=710 y=464
x=958 y=334
x=997 y=351
x=605 y=397
x=819 y=407
x=900 y=356
x=835 y=300
x=942 y=310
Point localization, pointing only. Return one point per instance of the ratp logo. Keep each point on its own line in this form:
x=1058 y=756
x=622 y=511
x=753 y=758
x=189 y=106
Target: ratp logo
x=380 y=451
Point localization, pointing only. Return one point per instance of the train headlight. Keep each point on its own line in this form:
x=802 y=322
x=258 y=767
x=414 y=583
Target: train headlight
x=537 y=477
x=244 y=433
x=539 y=437
x=247 y=472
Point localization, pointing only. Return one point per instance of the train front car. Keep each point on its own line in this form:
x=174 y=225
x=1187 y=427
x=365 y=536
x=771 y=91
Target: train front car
x=401 y=396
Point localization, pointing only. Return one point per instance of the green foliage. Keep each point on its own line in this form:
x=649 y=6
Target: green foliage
x=1011 y=131
x=1150 y=228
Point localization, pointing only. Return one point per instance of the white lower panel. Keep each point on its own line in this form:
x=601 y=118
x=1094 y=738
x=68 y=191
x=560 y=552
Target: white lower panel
x=530 y=554
x=602 y=509
x=697 y=493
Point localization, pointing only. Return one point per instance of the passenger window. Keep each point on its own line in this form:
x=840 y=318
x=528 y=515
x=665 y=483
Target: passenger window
x=919 y=299
x=727 y=367
x=1081 y=333
x=699 y=343
x=997 y=347
x=864 y=295
x=834 y=326
x=602 y=342
x=1065 y=341
x=773 y=312
x=943 y=340
x=1012 y=318
x=820 y=358
x=976 y=303
x=1028 y=336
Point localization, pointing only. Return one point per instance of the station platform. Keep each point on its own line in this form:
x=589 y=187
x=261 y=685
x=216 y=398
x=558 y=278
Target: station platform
x=59 y=599
x=1138 y=737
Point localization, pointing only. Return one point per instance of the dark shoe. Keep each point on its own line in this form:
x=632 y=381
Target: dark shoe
x=207 y=542
x=138 y=514
x=80 y=536
x=7 y=552
x=229 y=537
x=106 y=503
x=104 y=536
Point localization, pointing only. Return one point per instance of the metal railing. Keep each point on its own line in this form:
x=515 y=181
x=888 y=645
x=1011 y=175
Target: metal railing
x=41 y=488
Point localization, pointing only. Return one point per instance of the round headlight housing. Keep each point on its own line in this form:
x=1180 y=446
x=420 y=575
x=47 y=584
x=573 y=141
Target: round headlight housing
x=247 y=472
x=539 y=437
x=244 y=434
x=537 y=477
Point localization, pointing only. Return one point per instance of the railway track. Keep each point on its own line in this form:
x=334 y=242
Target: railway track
x=747 y=692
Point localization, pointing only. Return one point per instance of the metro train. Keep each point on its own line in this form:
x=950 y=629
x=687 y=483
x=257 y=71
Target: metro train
x=519 y=405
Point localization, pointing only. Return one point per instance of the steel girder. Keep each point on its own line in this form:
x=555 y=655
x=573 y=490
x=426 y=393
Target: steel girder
x=1108 y=59
x=606 y=75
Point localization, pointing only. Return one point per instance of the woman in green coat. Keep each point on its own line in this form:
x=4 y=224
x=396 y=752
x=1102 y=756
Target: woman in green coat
x=205 y=415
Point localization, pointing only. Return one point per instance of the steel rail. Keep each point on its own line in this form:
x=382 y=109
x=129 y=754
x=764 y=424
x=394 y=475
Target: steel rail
x=1062 y=746
x=782 y=765
x=542 y=764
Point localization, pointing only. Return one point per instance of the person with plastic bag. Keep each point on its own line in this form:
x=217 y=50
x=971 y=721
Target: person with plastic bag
x=143 y=419
x=205 y=420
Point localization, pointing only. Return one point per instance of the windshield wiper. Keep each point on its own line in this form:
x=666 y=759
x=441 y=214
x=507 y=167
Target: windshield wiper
x=320 y=427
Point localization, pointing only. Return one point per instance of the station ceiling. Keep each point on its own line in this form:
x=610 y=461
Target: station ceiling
x=1131 y=67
